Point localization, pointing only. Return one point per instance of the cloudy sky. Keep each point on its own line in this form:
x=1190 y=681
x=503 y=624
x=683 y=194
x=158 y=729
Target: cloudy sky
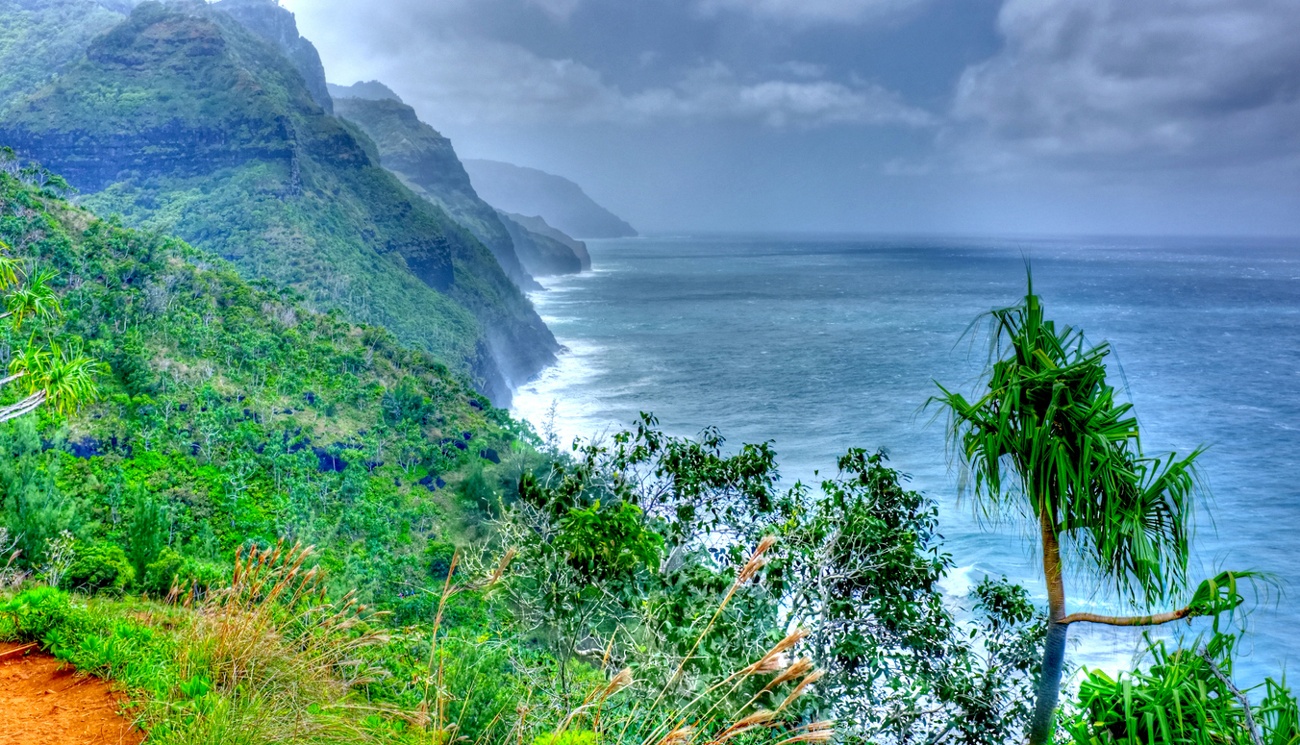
x=917 y=116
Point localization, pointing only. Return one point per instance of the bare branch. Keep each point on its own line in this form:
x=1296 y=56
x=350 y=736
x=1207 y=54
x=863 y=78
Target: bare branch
x=1245 y=702
x=1155 y=620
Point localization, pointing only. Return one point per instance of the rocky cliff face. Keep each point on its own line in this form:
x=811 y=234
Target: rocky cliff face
x=528 y=191
x=279 y=27
x=427 y=162
x=181 y=119
x=542 y=255
x=369 y=90
x=538 y=225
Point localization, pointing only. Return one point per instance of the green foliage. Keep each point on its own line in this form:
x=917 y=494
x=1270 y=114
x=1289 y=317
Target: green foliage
x=34 y=613
x=609 y=545
x=1183 y=696
x=568 y=737
x=146 y=533
x=173 y=570
x=859 y=567
x=232 y=415
x=1051 y=417
x=102 y=566
x=592 y=532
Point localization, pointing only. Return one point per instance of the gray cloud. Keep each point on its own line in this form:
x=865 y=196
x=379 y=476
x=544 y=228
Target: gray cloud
x=1156 y=83
x=814 y=11
x=461 y=78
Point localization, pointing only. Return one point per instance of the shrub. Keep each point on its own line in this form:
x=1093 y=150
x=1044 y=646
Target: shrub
x=103 y=566
x=174 y=570
x=33 y=613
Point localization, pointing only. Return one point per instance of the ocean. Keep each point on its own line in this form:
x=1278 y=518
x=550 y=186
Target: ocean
x=819 y=344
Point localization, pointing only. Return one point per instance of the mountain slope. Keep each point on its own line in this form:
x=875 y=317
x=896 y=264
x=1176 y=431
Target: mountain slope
x=232 y=414
x=38 y=38
x=276 y=25
x=181 y=120
x=541 y=254
x=561 y=202
x=426 y=161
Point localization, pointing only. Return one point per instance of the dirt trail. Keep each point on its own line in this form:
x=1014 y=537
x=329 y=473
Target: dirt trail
x=44 y=702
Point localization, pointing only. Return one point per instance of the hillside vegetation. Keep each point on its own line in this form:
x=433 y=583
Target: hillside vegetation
x=426 y=161
x=232 y=414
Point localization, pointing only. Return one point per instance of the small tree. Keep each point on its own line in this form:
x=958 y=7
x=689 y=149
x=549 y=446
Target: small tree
x=623 y=545
x=1050 y=418
x=860 y=568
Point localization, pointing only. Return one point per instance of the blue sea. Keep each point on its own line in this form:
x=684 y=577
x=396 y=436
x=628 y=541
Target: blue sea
x=821 y=344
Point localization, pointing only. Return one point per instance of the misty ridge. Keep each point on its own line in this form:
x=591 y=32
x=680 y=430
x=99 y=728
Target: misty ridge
x=322 y=429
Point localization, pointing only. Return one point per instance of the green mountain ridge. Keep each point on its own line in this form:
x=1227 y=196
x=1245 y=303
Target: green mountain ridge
x=537 y=225
x=426 y=162
x=543 y=254
x=278 y=26
x=183 y=121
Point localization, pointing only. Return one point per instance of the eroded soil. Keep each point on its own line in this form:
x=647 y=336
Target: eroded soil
x=44 y=702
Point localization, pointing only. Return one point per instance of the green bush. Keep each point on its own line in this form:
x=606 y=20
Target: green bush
x=174 y=570
x=33 y=613
x=103 y=566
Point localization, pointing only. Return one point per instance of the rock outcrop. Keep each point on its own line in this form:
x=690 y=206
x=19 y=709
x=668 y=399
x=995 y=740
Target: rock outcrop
x=537 y=225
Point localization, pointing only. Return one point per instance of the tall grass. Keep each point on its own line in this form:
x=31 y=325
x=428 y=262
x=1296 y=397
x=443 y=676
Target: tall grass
x=624 y=709
x=270 y=660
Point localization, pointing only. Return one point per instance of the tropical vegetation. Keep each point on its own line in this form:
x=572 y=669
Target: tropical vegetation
x=271 y=525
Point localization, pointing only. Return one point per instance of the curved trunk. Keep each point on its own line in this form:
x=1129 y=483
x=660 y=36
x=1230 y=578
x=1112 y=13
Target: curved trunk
x=1049 y=679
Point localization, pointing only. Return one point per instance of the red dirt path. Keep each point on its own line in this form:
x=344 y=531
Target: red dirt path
x=44 y=702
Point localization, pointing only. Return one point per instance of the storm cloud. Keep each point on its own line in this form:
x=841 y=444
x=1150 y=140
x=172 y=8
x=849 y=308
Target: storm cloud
x=861 y=115
x=1165 y=82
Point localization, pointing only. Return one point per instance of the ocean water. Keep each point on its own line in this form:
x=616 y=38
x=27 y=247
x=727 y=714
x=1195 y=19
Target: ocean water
x=821 y=344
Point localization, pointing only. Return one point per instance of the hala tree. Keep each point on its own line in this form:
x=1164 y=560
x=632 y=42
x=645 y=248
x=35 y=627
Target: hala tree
x=1049 y=435
x=48 y=373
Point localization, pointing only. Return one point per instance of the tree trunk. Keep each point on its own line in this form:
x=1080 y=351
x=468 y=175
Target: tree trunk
x=1049 y=680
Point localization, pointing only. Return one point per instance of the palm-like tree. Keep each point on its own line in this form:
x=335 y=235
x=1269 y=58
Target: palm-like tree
x=60 y=376
x=1048 y=435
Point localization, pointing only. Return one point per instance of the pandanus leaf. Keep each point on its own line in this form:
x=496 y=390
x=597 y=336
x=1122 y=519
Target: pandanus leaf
x=34 y=299
x=1049 y=418
x=68 y=376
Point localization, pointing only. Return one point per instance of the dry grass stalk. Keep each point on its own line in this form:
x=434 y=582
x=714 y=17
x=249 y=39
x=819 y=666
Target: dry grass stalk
x=437 y=719
x=679 y=736
x=800 y=668
x=798 y=691
x=772 y=660
x=816 y=732
x=744 y=724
